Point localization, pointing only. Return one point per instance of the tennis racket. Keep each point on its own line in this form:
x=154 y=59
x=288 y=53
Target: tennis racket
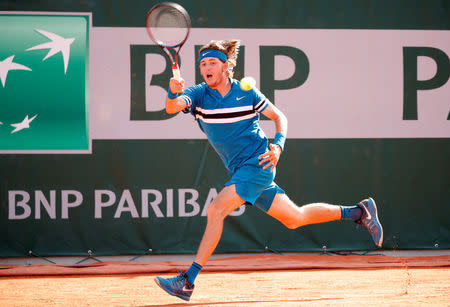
x=168 y=25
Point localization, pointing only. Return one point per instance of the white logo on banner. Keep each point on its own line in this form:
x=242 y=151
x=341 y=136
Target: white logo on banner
x=57 y=44
x=6 y=65
x=44 y=72
x=107 y=204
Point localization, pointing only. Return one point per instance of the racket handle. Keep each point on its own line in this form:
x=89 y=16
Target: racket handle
x=176 y=72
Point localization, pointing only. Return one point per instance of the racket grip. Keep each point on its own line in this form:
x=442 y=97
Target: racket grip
x=176 y=72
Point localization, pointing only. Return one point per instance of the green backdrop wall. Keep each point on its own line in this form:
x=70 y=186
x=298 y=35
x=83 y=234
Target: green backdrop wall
x=127 y=196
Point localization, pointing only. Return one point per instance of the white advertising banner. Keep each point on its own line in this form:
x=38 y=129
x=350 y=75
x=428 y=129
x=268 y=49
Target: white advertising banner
x=355 y=86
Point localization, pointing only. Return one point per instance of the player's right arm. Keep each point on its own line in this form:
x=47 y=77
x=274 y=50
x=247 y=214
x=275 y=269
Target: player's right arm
x=176 y=104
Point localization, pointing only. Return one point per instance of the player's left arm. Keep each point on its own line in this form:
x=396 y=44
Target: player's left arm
x=281 y=125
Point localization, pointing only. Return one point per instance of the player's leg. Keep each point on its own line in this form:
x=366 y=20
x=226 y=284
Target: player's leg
x=293 y=216
x=225 y=202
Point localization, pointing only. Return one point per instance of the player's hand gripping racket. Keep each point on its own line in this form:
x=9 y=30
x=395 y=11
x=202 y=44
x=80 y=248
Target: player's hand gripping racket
x=168 y=25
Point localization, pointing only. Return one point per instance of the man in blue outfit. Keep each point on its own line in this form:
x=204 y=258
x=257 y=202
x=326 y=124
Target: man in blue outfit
x=229 y=116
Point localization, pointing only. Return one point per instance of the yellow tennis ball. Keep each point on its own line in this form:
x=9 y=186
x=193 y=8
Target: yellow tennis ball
x=247 y=83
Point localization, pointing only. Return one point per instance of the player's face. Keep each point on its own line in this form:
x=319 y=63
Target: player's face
x=213 y=71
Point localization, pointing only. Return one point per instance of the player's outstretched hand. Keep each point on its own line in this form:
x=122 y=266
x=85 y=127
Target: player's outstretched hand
x=176 y=86
x=270 y=158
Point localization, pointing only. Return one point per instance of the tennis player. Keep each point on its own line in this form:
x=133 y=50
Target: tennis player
x=229 y=116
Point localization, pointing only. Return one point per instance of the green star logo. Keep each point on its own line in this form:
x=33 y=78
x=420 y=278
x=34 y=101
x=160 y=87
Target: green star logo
x=44 y=83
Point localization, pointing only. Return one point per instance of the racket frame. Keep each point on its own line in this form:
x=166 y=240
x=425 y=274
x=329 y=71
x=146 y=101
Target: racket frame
x=166 y=48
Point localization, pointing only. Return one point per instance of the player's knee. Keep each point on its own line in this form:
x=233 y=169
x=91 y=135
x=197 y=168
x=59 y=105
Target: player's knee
x=214 y=212
x=292 y=223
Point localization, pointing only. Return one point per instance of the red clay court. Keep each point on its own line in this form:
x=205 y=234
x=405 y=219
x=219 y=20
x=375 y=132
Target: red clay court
x=254 y=280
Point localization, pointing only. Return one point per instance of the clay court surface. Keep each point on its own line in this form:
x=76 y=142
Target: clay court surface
x=401 y=282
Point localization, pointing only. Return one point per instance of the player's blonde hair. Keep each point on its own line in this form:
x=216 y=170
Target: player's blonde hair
x=230 y=47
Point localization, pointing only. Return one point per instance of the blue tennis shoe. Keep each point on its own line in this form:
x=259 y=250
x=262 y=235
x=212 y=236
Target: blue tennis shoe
x=369 y=220
x=176 y=286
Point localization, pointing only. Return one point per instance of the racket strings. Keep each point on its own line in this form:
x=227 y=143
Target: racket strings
x=169 y=26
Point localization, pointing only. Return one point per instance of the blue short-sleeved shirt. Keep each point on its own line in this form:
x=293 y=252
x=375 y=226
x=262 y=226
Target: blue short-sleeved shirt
x=231 y=123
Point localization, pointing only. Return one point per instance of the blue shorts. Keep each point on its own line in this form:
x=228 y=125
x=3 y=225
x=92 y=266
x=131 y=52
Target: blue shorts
x=255 y=185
